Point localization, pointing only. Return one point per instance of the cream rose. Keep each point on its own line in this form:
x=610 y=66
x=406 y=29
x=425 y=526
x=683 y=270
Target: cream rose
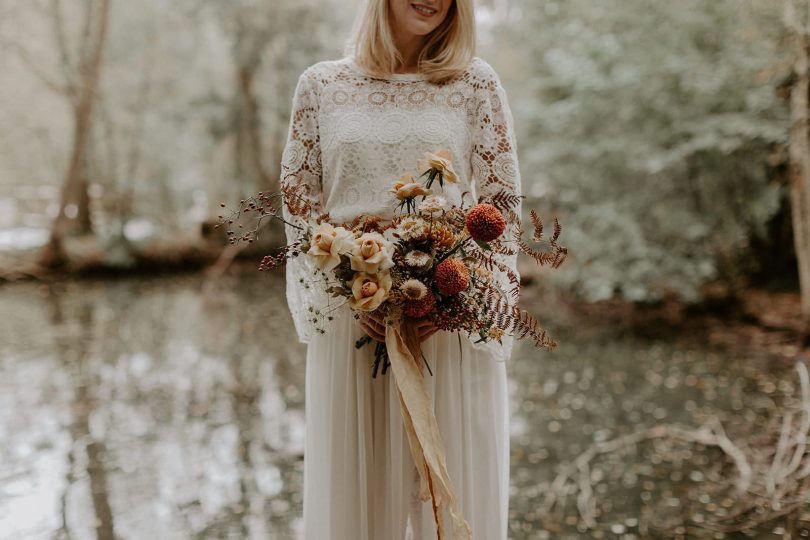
x=369 y=291
x=328 y=244
x=442 y=161
x=372 y=253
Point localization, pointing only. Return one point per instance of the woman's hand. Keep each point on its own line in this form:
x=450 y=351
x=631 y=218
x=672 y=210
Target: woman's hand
x=373 y=324
x=425 y=329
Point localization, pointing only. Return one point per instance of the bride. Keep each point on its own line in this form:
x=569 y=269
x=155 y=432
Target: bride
x=410 y=83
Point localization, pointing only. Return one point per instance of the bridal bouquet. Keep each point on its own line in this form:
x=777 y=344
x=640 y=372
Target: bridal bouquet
x=431 y=261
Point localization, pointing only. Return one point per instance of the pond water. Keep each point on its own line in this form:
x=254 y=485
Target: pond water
x=167 y=408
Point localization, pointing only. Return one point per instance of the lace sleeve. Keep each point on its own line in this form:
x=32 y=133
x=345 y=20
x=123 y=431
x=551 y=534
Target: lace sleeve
x=496 y=180
x=301 y=181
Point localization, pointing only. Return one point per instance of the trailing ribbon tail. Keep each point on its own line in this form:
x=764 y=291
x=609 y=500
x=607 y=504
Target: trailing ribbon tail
x=424 y=439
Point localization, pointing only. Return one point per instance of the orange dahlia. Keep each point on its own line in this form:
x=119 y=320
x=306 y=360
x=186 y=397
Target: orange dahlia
x=485 y=222
x=452 y=276
x=420 y=308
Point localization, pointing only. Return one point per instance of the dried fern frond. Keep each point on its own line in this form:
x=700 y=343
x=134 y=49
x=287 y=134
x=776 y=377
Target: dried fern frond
x=353 y=224
x=556 y=256
x=518 y=322
x=500 y=248
x=373 y=224
x=505 y=200
x=489 y=262
x=296 y=197
x=538 y=226
x=366 y=223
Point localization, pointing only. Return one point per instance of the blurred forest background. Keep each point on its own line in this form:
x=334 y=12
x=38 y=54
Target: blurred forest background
x=669 y=138
x=656 y=132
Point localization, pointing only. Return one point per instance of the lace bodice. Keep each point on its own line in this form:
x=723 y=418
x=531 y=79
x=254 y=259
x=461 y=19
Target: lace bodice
x=352 y=135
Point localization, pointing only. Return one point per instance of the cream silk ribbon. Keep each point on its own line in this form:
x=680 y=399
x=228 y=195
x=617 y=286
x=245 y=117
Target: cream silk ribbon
x=427 y=449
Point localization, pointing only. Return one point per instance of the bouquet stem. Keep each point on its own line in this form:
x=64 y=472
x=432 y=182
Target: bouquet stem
x=455 y=248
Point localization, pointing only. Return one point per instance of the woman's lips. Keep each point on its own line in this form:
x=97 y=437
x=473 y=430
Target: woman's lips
x=424 y=10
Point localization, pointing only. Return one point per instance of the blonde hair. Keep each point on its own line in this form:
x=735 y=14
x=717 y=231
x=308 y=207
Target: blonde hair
x=447 y=51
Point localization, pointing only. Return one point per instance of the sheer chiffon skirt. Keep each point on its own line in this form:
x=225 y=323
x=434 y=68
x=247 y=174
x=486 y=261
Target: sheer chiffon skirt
x=359 y=479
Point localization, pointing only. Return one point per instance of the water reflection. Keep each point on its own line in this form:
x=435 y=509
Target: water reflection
x=151 y=409
x=144 y=409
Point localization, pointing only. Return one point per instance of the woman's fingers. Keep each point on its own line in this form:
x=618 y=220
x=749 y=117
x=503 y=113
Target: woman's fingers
x=373 y=324
x=426 y=329
x=376 y=324
x=422 y=324
x=379 y=318
x=372 y=332
x=374 y=329
x=427 y=332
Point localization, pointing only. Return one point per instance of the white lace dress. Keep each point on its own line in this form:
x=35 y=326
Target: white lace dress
x=350 y=138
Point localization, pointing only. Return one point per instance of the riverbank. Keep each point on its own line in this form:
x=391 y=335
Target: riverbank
x=754 y=320
x=750 y=319
x=87 y=259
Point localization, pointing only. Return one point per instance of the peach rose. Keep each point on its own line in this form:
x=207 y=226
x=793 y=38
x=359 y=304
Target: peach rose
x=372 y=253
x=407 y=188
x=442 y=161
x=328 y=244
x=369 y=291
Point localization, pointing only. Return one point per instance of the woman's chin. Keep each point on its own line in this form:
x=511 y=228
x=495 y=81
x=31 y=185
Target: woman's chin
x=420 y=28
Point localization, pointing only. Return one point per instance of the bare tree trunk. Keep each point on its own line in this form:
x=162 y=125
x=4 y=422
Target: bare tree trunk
x=251 y=36
x=253 y=29
x=120 y=159
x=83 y=94
x=84 y=223
x=800 y=148
x=249 y=149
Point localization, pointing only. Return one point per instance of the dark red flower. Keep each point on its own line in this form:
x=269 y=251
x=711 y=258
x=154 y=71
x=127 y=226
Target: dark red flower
x=420 y=308
x=485 y=222
x=452 y=276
